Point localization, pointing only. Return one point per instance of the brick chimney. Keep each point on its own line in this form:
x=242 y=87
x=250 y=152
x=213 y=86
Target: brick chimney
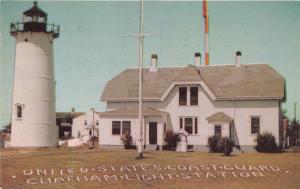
x=197 y=59
x=153 y=65
x=238 y=55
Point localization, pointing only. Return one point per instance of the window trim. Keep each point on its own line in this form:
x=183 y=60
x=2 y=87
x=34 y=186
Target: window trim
x=189 y=100
x=122 y=127
x=121 y=123
x=180 y=122
x=259 y=124
x=220 y=126
x=186 y=96
x=19 y=112
x=22 y=106
x=195 y=124
x=197 y=96
x=112 y=128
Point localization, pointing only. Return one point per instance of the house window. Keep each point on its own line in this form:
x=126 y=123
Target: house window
x=97 y=122
x=19 y=111
x=188 y=125
x=181 y=123
x=126 y=127
x=194 y=96
x=116 y=127
x=78 y=133
x=196 y=125
x=182 y=96
x=85 y=122
x=255 y=125
x=218 y=130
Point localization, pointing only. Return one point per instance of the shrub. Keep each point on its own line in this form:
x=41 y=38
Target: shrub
x=171 y=140
x=127 y=141
x=225 y=145
x=266 y=143
x=220 y=145
x=213 y=144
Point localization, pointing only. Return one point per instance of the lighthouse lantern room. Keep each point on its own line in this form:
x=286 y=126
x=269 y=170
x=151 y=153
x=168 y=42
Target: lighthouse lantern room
x=33 y=107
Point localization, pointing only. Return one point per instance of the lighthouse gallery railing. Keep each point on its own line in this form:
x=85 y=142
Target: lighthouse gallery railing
x=34 y=27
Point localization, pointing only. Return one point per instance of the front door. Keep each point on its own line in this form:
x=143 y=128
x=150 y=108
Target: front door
x=153 y=132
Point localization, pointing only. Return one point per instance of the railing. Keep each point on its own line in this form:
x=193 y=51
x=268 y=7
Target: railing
x=35 y=27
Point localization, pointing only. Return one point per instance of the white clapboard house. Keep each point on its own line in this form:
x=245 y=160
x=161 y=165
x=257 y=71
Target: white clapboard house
x=85 y=126
x=238 y=101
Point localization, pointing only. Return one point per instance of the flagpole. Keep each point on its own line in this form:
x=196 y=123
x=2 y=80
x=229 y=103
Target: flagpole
x=206 y=30
x=140 y=64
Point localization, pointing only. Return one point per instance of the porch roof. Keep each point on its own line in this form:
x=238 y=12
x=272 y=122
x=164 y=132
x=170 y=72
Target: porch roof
x=219 y=117
x=133 y=112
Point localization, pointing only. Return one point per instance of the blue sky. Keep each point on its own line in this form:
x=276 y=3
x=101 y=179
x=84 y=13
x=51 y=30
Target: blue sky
x=92 y=48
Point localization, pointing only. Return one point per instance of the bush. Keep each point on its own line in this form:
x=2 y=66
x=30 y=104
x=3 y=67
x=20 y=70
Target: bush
x=127 y=141
x=226 y=145
x=220 y=145
x=266 y=143
x=213 y=144
x=171 y=140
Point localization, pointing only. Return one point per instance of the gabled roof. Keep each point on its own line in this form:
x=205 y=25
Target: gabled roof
x=125 y=85
x=219 y=117
x=133 y=112
x=251 y=81
x=248 y=81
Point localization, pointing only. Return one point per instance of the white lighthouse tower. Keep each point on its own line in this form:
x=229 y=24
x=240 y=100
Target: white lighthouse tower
x=33 y=106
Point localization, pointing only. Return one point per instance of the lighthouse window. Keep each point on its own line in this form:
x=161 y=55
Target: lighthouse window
x=42 y=19
x=19 y=111
x=34 y=18
x=85 y=122
x=27 y=19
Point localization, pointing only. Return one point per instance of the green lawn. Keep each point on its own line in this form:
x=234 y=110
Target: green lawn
x=84 y=168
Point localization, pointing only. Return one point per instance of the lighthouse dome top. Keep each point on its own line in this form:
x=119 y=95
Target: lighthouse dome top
x=35 y=11
x=34 y=20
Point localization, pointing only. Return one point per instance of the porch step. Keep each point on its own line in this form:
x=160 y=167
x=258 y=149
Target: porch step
x=293 y=149
x=151 y=147
x=237 y=150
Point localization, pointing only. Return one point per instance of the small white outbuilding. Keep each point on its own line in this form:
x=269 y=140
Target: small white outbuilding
x=85 y=126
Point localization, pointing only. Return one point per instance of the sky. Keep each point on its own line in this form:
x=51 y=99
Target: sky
x=93 y=45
